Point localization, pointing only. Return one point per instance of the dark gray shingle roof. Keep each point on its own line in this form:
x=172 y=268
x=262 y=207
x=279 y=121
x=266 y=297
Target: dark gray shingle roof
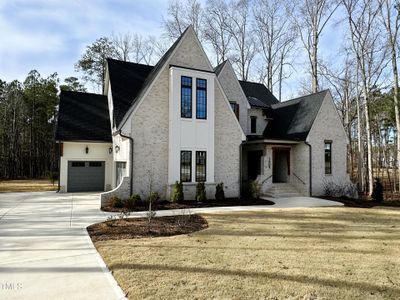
x=293 y=119
x=83 y=117
x=127 y=79
x=259 y=92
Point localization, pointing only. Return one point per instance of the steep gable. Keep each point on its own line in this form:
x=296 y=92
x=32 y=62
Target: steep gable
x=293 y=119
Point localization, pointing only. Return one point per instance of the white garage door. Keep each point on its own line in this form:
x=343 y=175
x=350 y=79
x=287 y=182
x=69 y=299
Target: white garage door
x=85 y=176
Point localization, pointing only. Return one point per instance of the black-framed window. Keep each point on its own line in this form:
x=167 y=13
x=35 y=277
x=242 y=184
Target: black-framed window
x=95 y=164
x=78 y=164
x=201 y=166
x=186 y=97
x=253 y=124
x=201 y=98
x=186 y=166
x=328 y=157
x=235 y=108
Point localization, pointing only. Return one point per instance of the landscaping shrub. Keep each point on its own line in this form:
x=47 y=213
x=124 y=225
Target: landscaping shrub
x=115 y=202
x=131 y=202
x=154 y=197
x=177 y=192
x=342 y=190
x=255 y=188
x=219 y=192
x=201 y=192
x=377 y=193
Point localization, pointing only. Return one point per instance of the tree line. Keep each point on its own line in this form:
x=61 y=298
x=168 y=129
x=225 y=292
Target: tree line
x=264 y=40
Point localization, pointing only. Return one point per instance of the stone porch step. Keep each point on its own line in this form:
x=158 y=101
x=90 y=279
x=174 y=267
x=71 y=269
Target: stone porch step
x=281 y=190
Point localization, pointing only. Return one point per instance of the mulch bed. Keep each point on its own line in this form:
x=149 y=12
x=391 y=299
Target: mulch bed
x=133 y=228
x=165 y=205
x=363 y=203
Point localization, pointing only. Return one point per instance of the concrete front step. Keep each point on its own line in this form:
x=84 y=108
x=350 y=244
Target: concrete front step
x=282 y=190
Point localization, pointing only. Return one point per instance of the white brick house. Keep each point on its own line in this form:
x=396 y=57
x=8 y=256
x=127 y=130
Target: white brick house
x=183 y=120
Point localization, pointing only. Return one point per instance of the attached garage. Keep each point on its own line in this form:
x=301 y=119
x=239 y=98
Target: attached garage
x=86 y=176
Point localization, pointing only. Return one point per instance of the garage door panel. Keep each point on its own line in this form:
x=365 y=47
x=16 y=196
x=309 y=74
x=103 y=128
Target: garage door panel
x=86 y=176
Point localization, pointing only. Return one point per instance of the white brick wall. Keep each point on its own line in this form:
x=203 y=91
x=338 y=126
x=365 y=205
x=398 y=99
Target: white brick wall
x=328 y=126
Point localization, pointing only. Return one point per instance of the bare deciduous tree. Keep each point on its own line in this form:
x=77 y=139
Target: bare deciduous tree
x=311 y=17
x=367 y=46
x=390 y=16
x=276 y=38
x=181 y=14
x=215 y=28
x=239 y=26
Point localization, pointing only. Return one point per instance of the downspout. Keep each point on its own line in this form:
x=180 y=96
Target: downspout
x=240 y=170
x=310 y=165
x=119 y=132
x=59 y=166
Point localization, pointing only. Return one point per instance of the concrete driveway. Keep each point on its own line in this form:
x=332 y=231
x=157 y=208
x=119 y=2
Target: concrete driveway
x=45 y=252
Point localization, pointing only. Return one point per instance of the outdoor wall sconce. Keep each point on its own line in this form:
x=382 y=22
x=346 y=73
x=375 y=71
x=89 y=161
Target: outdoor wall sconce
x=116 y=148
x=110 y=150
x=87 y=149
x=269 y=162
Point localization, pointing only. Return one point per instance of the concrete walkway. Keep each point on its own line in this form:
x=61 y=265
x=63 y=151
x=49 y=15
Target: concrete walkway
x=45 y=252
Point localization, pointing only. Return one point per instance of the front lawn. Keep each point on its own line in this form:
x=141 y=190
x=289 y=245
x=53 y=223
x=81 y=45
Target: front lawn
x=317 y=253
x=27 y=185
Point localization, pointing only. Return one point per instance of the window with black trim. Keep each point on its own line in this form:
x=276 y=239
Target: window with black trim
x=95 y=164
x=186 y=97
x=201 y=98
x=235 y=108
x=328 y=157
x=253 y=124
x=201 y=169
x=186 y=166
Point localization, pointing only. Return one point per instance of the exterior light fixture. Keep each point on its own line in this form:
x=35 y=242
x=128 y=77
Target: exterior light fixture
x=110 y=150
x=87 y=149
x=117 y=148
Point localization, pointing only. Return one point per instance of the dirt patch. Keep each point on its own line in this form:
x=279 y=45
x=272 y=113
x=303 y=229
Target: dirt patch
x=133 y=228
x=165 y=205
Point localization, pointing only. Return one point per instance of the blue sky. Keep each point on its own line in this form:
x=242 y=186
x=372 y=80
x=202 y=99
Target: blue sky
x=51 y=35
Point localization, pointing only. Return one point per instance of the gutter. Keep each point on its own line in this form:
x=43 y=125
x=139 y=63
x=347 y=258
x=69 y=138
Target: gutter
x=240 y=170
x=310 y=165
x=119 y=132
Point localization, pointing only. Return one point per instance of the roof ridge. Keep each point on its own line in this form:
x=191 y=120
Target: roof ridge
x=296 y=98
x=128 y=62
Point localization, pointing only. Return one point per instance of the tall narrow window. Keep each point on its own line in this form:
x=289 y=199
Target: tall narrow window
x=328 y=157
x=186 y=97
x=235 y=108
x=201 y=170
x=253 y=125
x=186 y=166
x=201 y=98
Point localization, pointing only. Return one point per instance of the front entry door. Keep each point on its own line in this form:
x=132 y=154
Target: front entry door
x=281 y=165
x=254 y=164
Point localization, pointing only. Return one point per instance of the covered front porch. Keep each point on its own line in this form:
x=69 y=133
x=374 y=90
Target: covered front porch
x=279 y=166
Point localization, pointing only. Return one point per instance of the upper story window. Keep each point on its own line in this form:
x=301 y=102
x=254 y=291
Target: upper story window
x=235 y=108
x=186 y=166
x=253 y=124
x=186 y=97
x=201 y=98
x=328 y=157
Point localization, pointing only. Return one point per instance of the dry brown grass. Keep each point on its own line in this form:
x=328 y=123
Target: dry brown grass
x=321 y=253
x=35 y=185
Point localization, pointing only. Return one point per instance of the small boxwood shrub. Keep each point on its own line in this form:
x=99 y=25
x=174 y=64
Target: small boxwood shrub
x=115 y=202
x=177 y=192
x=201 y=192
x=154 y=197
x=255 y=188
x=219 y=192
x=132 y=201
